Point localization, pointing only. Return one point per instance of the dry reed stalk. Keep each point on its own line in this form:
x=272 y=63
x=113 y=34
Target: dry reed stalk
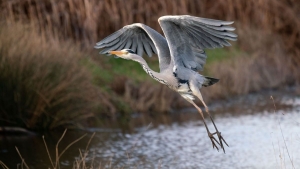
x=51 y=161
x=265 y=68
x=92 y=20
x=23 y=161
x=88 y=21
x=58 y=155
x=44 y=84
x=81 y=162
x=278 y=122
x=83 y=19
x=3 y=165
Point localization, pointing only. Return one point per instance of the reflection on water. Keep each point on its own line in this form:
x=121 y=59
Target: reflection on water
x=255 y=141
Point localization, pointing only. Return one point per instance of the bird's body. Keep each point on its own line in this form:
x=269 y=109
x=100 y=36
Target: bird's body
x=181 y=85
x=181 y=54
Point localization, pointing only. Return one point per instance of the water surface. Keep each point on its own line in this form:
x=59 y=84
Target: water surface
x=263 y=139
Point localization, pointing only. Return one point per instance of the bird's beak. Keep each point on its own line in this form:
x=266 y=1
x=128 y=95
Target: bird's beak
x=118 y=53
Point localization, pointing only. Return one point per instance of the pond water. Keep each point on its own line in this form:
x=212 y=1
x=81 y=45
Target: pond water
x=264 y=139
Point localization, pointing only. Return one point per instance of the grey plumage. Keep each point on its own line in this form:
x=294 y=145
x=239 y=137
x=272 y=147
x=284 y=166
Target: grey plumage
x=186 y=34
x=181 y=54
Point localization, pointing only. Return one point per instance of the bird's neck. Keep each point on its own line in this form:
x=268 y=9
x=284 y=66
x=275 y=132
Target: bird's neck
x=155 y=75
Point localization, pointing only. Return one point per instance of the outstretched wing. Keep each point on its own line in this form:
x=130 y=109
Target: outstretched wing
x=187 y=36
x=139 y=38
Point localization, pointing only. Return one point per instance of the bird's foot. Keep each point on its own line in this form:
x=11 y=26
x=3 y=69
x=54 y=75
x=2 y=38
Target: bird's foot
x=221 y=140
x=213 y=140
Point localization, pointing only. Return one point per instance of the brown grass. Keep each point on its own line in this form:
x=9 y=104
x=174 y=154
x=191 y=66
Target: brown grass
x=268 y=30
x=42 y=83
x=89 y=21
x=266 y=66
x=153 y=98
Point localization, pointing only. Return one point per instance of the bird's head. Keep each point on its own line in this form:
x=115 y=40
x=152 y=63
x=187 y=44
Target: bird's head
x=125 y=54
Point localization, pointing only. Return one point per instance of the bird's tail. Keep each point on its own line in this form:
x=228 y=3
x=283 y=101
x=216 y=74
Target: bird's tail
x=209 y=81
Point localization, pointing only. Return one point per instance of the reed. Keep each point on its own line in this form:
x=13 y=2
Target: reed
x=88 y=21
x=42 y=84
x=268 y=38
x=81 y=162
x=264 y=65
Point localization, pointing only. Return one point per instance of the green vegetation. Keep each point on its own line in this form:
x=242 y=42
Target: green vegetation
x=126 y=68
x=100 y=74
x=112 y=67
x=131 y=69
x=121 y=67
x=220 y=54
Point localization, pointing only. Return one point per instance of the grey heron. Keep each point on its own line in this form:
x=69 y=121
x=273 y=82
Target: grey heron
x=181 y=54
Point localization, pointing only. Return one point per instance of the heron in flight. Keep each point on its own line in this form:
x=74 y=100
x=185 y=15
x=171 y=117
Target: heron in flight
x=181 y=54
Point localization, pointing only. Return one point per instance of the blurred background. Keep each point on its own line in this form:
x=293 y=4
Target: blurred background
x=52 y=78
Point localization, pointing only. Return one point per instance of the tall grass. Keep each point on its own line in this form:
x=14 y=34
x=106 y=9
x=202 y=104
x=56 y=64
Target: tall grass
x=87 y=21
x=91 y=20
x=42 y=68
x=265 y=65
x=42 y=84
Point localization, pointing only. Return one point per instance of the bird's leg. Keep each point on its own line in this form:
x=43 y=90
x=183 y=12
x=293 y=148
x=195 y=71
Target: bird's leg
x=217 y=131
x=210 y=135
x=196 y=92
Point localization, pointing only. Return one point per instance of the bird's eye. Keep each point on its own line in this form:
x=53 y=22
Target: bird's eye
x=129 y=51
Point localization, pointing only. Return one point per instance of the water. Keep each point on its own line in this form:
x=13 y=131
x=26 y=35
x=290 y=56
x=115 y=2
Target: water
x=257 y=140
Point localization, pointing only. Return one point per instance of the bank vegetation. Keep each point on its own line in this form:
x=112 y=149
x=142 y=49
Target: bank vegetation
x=51 y=77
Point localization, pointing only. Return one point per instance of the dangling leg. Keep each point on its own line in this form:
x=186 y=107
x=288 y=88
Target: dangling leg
x=210 y=135
x=197 y=93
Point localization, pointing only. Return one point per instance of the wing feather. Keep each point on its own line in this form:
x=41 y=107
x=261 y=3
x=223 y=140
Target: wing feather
x=134 y=45
x=109 y=44
x=115 y=46
x=188 y=36
x=140 y=48
x=147 y=48
x=214 y=43
x=128 y=44
x=111 y=37
x=153 y=48
x=122 y=45
x=223 y=35
x=140 y=39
